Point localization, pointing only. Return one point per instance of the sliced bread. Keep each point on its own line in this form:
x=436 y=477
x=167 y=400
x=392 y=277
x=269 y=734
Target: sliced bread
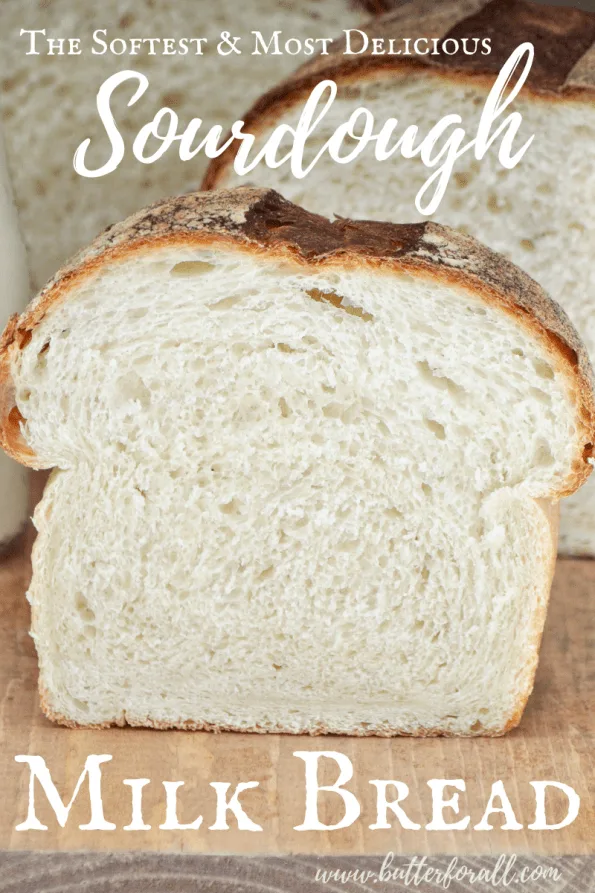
x=306 y=472
x=539 y=214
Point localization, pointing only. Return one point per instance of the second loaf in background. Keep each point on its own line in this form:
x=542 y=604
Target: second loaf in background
x=540 y=214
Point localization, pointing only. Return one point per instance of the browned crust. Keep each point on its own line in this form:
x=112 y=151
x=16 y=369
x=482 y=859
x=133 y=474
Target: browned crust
x=562 y=37
x=563 y=68
x=376 y=7
x=262 y=223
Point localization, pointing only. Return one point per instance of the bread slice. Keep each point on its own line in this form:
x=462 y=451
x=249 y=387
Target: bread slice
x=540 y=214
x=61 y=212
x=306 y=472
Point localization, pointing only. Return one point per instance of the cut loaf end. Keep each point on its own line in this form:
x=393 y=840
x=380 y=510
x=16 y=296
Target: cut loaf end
x=306 y=473
x=538 y=214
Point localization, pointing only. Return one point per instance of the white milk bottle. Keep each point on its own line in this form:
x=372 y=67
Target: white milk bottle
x=14 y=291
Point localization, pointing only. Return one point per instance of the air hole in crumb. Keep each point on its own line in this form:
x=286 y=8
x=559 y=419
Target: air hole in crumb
x=225 y=303
x=137 y=312
x=540 y=395
x=441 y=382
x=284 y=408
x=517 y=352
x=83 y=706
x=544 y=188
x=543 y=369
x=277 y=667
x=285 y=348
x=230 y=508
x=424 y=328
x=351 y=414
x=462 y=179
x=496 y=204
x=333 y=410
x=477 y=726
x=83 y=608
x=131 y=387
x=41 y=362
x=426 y=489
x=192 y=268
x=265 y=574
x=436 y=428
x=543 y=454
x=477 y=310
x=331 y=297
x=348 y=545
x=527 y=244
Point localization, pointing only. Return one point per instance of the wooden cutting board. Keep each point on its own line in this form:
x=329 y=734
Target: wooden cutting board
x=556 y=741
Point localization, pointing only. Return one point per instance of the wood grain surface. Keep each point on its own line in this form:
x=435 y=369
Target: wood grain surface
x=175 y=873
x=556 y=741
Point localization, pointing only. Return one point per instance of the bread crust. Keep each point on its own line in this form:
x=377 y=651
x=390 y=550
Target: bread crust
x=262 y=223
x=191 y=725
x=563 y=68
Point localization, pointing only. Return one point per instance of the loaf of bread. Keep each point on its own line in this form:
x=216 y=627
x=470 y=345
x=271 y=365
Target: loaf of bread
x=540 y=214
x=60 y=212
x=305 y=477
